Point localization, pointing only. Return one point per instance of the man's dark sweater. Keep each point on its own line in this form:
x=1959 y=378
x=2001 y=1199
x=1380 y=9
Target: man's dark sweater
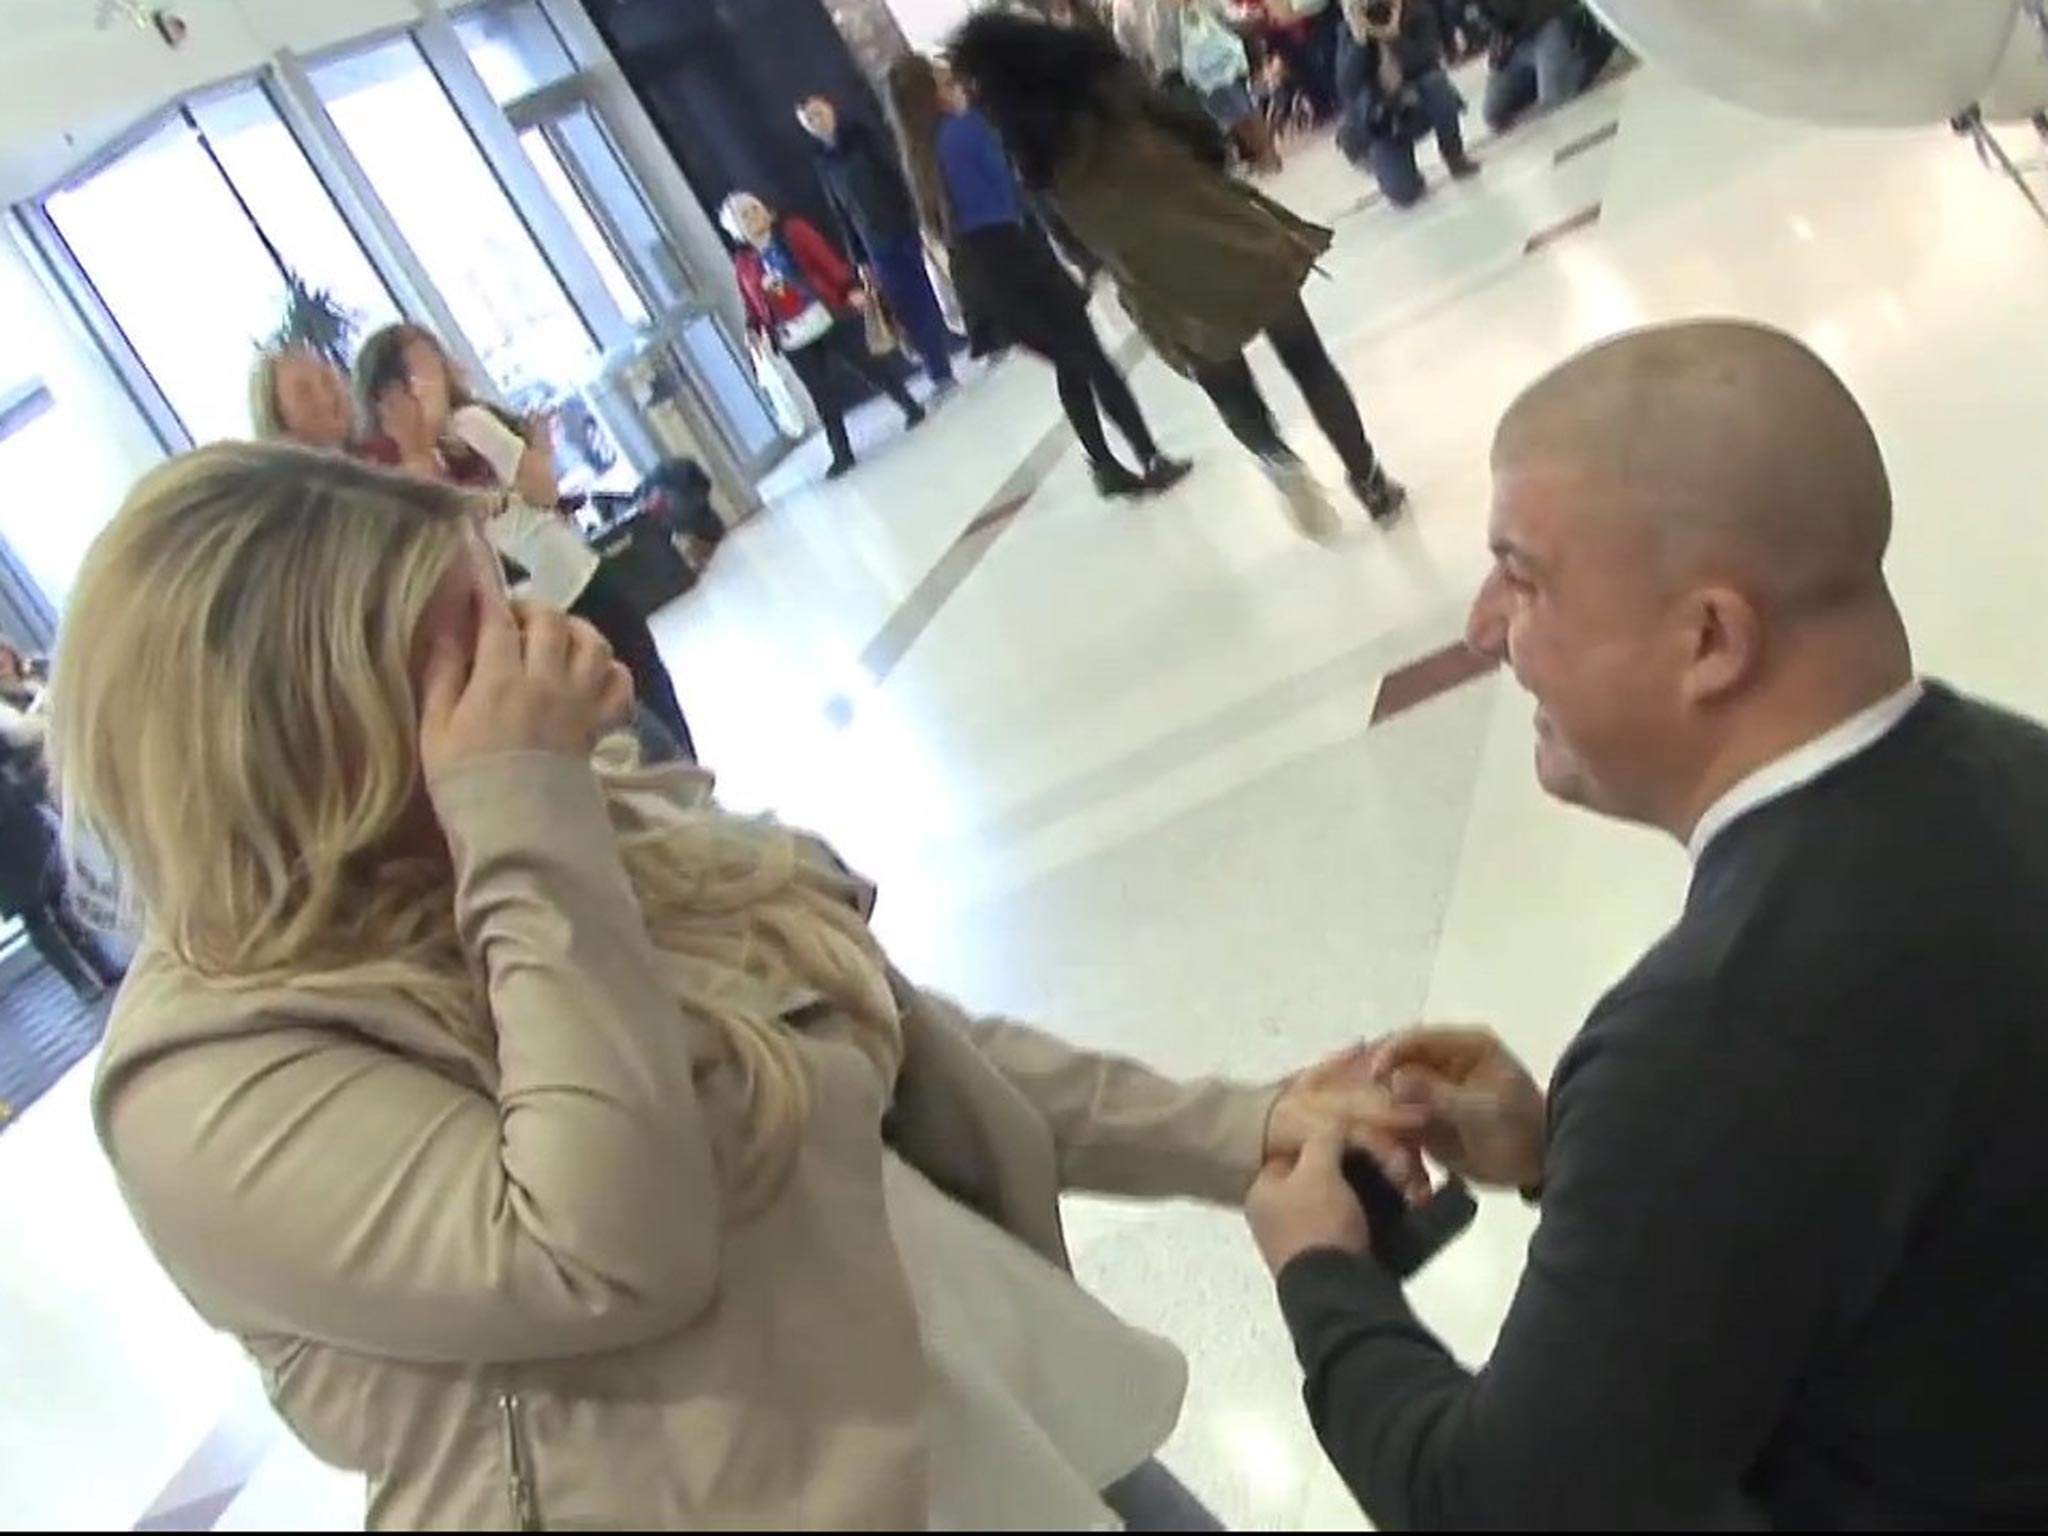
x=865 y=188
x=1792 y=1267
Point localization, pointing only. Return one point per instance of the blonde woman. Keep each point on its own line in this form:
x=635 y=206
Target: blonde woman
x=565 y=1150
x=296 y=395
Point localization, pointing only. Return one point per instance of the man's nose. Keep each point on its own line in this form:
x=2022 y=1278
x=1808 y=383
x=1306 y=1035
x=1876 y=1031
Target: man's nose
x=1486 y=627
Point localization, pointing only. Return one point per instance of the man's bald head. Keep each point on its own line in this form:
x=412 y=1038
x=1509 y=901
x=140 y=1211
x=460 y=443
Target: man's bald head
x=1739 y=451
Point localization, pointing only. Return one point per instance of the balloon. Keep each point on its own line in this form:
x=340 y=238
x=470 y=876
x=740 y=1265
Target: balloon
x=2019 y=86
x=1862 y=63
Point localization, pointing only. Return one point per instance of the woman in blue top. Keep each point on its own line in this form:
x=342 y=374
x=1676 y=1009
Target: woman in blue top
x=1006 y=273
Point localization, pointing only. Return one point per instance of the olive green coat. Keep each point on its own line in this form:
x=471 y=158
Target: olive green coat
x=1202 y=262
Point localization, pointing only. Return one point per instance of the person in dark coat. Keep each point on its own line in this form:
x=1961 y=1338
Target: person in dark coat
x=1202 y=262
x=1011 y=285
x=1789 y=1268
x=1544 y=52
x=32 y=877
x=1390 y=76
x=878 y=225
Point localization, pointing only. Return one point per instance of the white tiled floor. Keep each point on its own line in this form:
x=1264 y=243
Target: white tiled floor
x=1122 y=783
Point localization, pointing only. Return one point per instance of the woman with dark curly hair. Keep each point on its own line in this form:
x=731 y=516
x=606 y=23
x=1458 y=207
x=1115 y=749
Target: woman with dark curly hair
x=1203 y=262
x=1004 y=270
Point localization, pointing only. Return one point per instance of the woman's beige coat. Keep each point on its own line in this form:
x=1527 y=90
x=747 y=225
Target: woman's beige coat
x=505 y=1289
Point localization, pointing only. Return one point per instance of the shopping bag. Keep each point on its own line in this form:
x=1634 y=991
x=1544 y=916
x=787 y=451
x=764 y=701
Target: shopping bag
x=878 y=324
x=780 y=388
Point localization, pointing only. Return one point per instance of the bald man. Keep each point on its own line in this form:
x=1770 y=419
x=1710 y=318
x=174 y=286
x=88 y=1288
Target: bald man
x=1792 y=1263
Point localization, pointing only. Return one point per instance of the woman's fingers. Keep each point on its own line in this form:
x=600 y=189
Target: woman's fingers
x=1447 y=1051
x=617 y=696
x=545 y=638
x=499 y=648
x=442 y=682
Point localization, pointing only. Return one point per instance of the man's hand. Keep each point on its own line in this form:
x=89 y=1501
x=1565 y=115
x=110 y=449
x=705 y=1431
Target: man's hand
x=857 y=299
x=1341 y=1097
x=1481 y=1113
x=1304 y=1204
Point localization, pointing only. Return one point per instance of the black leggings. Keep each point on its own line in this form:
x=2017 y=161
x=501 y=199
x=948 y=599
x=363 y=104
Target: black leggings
x=1085 y=375
x=612 y=614
x=846 y=344
x=1244 y=410
x=1023 y=295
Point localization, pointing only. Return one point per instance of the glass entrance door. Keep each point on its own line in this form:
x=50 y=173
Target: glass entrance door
x=566 y=142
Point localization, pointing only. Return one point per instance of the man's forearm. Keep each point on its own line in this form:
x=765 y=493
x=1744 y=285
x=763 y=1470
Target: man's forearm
x=1377 y=1384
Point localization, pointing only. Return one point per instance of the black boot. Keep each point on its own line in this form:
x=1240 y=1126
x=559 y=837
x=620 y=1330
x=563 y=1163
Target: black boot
x=1383 y=495
x=1163 y=474
x=1112 y=479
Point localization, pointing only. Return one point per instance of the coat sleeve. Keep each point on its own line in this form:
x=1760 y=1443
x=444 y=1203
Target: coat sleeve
x=304 y=1181
x=822 y=264
x=1682 y=1278
x=1119 y=1127
x=746 y=272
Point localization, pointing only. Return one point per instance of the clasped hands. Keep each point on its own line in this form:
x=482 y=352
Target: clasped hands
x=1454 y=1094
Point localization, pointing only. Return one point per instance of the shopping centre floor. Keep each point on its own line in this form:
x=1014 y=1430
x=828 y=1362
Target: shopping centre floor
x=1173 y=781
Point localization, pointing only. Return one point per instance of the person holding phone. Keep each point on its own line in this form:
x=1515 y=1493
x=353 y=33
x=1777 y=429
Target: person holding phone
x=429 y=423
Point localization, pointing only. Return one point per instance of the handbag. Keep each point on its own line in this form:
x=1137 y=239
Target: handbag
x=878 y=324
x=805 y=327
x=781 y=391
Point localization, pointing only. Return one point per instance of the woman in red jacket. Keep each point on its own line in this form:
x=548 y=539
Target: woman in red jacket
x=804 y=299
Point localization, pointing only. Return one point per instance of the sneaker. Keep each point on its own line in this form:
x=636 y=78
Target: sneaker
x=1308 y=504
x=1162 y=473
x=1112 y=479
x=913 y=416
x=839 y=467
x=1383 y=495
x=1464 y=168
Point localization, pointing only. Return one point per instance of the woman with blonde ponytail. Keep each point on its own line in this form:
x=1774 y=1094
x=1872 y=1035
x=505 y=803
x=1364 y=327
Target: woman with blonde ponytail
x=565 y=1150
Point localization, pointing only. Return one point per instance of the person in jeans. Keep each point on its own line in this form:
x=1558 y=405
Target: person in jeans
x=1203 y=263
x=878 y=224
x=1214 y=63
x=1544 y=52
x=803 y=300
x=1790 y=1268
x=1390 y=72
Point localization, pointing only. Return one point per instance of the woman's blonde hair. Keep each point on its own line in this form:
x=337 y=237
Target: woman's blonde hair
x=235 y=722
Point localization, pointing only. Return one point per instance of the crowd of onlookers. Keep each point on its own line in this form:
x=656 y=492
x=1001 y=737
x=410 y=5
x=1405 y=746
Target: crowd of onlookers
x=405 y=404
x=969 y=210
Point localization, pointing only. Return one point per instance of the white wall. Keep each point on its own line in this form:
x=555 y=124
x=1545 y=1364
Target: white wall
x=66 y=86
x=924 y=22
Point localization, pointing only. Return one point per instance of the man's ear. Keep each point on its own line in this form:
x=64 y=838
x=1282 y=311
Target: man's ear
x=1725 y=633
